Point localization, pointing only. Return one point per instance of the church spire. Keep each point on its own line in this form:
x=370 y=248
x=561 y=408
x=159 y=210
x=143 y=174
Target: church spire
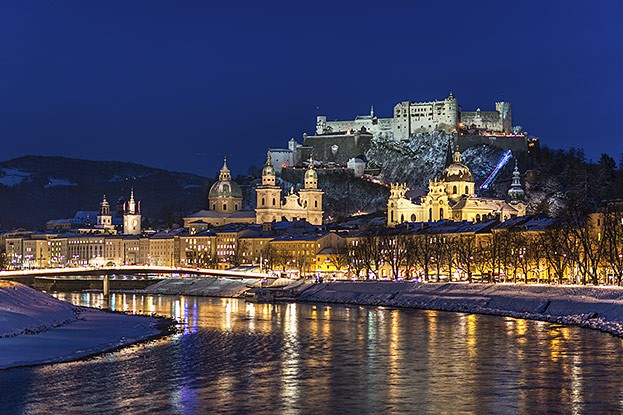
x=131 y=203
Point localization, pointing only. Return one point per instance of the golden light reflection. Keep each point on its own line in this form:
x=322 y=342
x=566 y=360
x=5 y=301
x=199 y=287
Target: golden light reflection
x=521 y=327
x=394 y=357
x=470 y=338
x=250 y=312
x=228 y=315
x=290 y=363
x=432 y=324
x=577 y=397
x=558 y=337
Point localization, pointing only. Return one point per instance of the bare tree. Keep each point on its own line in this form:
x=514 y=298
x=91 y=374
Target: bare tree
x=464 y=247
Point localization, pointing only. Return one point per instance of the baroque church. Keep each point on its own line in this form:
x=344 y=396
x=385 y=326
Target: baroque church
x=225 y=201
x=307 y=204
x=224 y=205
x=452 y=197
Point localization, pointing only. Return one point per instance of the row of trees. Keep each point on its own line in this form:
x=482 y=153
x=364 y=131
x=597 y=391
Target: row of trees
x=572 y=249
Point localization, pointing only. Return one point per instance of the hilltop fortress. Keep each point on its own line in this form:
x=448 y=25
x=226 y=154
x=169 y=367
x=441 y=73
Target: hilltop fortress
x=411 y=118
x=341 y=141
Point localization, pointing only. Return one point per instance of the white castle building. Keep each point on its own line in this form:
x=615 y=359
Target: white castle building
x=410 y=118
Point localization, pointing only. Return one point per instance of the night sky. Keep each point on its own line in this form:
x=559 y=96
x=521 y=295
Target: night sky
x=178 y=84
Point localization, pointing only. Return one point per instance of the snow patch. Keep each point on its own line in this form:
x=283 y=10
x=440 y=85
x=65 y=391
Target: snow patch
x=13 y=177
x=59 y=182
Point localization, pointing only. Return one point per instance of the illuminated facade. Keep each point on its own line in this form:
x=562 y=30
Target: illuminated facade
x=307 y=204
x=410 y=118
x=224 y=205
x=452 y=197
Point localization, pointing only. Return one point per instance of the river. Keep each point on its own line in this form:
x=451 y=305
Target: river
x=237 y=357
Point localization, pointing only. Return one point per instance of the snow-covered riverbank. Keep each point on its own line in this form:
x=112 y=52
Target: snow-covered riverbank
x=36 y=328
x=598 y=308
x=200 y=286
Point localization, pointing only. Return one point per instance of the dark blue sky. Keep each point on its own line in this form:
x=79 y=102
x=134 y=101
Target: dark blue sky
x=179 y=84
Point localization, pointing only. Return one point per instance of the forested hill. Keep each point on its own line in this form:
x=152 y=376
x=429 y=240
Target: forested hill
x=35 y=189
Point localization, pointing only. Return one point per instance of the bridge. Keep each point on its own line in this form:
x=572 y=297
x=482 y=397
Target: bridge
x=104 y=273
x=132 y=270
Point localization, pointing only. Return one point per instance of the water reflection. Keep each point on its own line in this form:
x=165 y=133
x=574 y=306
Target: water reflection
x=236 y=357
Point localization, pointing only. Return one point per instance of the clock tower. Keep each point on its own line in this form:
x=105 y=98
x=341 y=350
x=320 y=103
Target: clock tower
x=132 y=216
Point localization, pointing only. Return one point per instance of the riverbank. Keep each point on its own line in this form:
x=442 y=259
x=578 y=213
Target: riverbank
x=599 y=308
x=36 y=328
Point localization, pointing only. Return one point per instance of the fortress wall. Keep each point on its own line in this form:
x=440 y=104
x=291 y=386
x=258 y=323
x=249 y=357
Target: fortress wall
x=515 y=144
x=348 y=146
x=298 y=175
x=490 y=120
x=342 y=126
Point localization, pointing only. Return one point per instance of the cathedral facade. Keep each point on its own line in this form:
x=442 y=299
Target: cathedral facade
x=452 y=197
x=224 y=205
x=306 y=204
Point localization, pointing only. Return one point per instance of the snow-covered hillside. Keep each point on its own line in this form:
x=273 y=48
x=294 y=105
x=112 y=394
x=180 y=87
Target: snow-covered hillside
x=424 y=157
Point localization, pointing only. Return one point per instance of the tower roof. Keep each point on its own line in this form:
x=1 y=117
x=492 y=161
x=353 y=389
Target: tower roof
x=516 y=192
x=457 y=171
x=311 y=172
x=225 y=174
x=268 y=169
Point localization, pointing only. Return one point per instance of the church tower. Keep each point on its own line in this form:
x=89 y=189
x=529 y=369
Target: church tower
x=516 y=192
x=132 y=216
x=268 y=195
x=104 y=218
x=311 y=196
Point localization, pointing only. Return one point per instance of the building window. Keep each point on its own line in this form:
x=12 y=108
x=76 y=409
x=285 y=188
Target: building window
x=224 y=206
x=263 y=202
x=315 y=203
x=413 y=217
x=430 y=214
x=440 y=213
x=402 y=218
x=454 y=190
x=274 y=202
x=466 y=190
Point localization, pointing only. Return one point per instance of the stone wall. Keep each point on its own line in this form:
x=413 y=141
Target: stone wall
x=517 y=144
x=339 y=148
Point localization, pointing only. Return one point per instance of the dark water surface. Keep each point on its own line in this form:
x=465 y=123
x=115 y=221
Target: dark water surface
x=237 y=357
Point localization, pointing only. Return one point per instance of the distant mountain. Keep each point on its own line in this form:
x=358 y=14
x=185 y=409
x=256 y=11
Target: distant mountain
x=35 y=189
